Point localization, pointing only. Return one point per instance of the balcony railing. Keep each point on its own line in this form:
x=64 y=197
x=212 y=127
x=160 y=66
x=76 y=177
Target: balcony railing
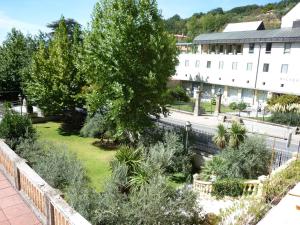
x=45 y=201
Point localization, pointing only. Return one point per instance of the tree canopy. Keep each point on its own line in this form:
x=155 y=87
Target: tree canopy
x=55 y=83
x=129 y=58
x=15 y=56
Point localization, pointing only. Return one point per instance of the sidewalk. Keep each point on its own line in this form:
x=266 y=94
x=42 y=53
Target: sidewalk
x=252 y=126
x=285 y=213
x=13 y=210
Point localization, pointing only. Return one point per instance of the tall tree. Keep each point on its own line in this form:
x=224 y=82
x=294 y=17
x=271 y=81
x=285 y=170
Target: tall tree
x=129 y=58
x=15 y=56
x=55 y=83
x=71 y=25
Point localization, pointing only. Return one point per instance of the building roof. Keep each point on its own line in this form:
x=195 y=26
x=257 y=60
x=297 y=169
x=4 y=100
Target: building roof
x=256 y=25
x=183 y=43
x=277 y=35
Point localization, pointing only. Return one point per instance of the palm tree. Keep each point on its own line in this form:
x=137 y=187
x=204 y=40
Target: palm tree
x=237 y=135
x=221 y=138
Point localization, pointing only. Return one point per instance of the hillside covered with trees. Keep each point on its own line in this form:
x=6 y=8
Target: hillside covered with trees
x=216 y=19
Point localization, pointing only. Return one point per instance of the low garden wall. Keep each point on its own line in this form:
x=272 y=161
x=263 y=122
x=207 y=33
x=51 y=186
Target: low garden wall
x=251 y=187
x=44 y=200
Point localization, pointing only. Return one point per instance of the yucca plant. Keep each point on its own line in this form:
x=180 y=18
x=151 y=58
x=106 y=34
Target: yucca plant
x=132 y=158
x=221 y=138
x=237 y=135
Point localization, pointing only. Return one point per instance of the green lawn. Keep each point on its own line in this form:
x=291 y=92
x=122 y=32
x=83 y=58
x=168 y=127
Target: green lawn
x=207 y=107
x=95 y=159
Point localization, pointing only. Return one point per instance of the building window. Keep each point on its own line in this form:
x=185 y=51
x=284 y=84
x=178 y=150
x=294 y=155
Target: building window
x=234 y=65
x=208 y=65
x=238 y=49
x=287 y=48
x=251 y=48
x=284 y=68
x=221 y=48
x=266 y=67
x=187 y=63
x=221 y=65
x=213 y=48
x=249 y=66
x=197 y=65
x=229 y=49
x=268 y=48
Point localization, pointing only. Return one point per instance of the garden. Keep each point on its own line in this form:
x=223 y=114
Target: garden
x=104 y=151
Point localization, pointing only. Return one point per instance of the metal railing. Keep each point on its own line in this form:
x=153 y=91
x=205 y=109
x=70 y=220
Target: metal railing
x=199 y=141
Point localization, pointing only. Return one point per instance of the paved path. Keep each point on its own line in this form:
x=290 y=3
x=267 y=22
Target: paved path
x=13 y=209
x=285 y=213
x=209 y=124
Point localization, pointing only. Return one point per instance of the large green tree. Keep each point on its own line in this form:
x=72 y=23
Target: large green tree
x=129 y=58
x=15 y=56
x=55 y=83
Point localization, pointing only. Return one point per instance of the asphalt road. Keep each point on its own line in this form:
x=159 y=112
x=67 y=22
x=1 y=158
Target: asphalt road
x=280 y=144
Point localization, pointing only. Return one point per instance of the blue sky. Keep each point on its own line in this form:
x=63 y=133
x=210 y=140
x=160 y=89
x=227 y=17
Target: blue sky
x=33 y=15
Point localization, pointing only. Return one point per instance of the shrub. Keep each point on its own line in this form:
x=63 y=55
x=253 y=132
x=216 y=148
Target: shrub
x=284 y=100
x=227 y=187
x=233 y=106
x=177 y=94
x=241 y=106
x=213 y=169
x=58 y=166
x=94 y=126
x=52 y=162
x=221 y=137
x=247 y=162
x=15 y=127
x=282 y=182
x=237 y=135
x=291 y=119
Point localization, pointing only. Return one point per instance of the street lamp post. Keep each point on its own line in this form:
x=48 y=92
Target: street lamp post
x=188 y=128
x=21 y=101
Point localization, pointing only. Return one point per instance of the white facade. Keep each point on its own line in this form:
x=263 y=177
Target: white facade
x=292 y=16
x=247 y=69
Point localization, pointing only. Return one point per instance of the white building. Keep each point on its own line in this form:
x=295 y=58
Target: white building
x=246 y=61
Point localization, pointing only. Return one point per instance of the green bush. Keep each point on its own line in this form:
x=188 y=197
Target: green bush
x=233 y=106
x=52 y=162
x=227 y=187
x=94 y=126
x=15 y=127
x=282 y=182
x=248 y=162
x=241 y=106
x=291 y=119
x=177 y=94
x=284 y=100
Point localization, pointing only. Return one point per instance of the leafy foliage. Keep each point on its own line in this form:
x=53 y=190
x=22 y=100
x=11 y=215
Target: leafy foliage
x=283 y=181
x=216 y=19
x=222 y=137
x=247 y=162
x=178 y=94
x=15 y=57
x=55 y=83
x=95 y=126
x=128 y=66
x=233 y=106
x=283 y=100
x=288 y=118
x=14 y=128
x=227 y=187
x=138 y=192
x=237 y=134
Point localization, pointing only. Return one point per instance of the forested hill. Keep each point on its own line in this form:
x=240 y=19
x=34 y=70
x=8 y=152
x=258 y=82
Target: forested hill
x=216 y=19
